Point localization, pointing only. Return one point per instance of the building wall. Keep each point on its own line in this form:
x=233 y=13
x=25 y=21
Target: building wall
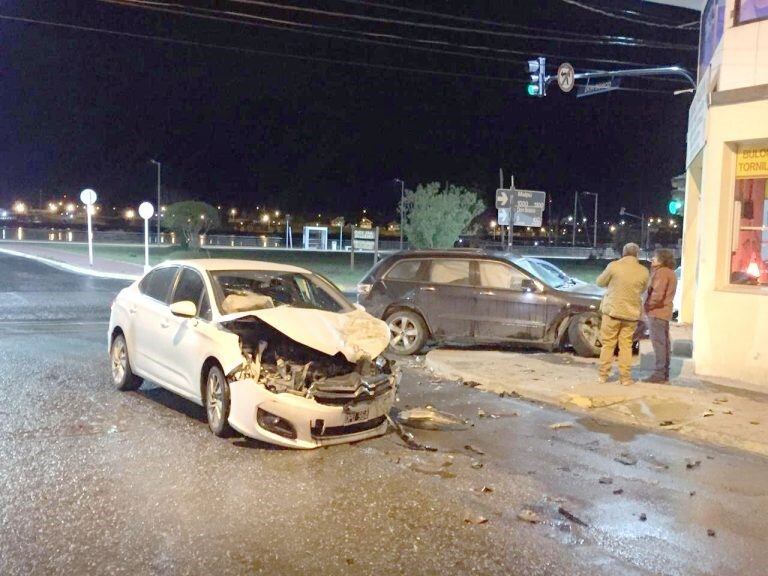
x=730 y=322
x=744 y=59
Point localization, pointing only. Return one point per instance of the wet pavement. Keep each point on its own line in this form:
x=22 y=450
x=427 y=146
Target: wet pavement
x=94 y=481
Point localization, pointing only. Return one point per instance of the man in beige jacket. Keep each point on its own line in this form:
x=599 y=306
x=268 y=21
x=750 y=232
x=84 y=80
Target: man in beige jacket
x=626 y=280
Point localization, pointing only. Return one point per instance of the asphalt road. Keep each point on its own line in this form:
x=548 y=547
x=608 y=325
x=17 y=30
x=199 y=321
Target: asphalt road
x=93 y=481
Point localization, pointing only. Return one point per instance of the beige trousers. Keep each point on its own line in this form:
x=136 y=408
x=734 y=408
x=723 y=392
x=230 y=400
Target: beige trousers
x=613 y=331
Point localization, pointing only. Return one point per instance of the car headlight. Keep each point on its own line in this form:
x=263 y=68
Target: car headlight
x=275 y=424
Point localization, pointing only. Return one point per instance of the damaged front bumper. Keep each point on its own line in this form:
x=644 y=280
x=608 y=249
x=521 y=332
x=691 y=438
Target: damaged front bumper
x=331 y=416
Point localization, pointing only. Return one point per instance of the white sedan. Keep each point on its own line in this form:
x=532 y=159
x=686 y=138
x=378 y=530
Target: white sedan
x=273 y=351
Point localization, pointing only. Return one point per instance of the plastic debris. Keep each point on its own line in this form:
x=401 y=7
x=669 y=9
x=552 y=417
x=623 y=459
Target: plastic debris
x=407 y=437
x=690 y=464
x=605 y=480
x=643 y=517
x=720 y=400
x=530 y=516
x=667 y=423
x=471 y=384
x=476 y=464
x=476 y=520
x=430 y=419
x=754 y=422
x=486 y=489
x=618 y=491
x=571 y=517
x=692 y=493
x=470 y=448
x=709 y=412
x=626 y=458
x=558 y=425
x=711 y=533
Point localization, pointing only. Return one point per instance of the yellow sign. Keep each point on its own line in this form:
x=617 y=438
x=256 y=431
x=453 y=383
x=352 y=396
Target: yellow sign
x=752 y=163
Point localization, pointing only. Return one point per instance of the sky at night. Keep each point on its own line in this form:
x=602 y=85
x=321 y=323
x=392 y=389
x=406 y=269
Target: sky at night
x=80 y=108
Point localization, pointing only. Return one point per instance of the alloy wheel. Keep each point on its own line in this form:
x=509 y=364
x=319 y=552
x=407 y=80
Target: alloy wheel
x=215 y=398
x=119 y=361
x=403 y=332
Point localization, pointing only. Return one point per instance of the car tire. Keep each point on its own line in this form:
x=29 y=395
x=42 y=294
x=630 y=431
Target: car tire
x=123 y=377
x=584 y=334
x=217 y=401
x=408 y=332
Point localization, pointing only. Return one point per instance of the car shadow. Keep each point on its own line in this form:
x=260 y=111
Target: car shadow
x=175 y=402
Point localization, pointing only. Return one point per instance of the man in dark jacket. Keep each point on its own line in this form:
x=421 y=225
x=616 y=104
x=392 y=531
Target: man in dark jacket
x=658 y=308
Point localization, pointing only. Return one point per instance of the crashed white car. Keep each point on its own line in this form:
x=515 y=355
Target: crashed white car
x=275 y=352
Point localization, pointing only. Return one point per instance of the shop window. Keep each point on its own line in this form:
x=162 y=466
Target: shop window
x=749 y=252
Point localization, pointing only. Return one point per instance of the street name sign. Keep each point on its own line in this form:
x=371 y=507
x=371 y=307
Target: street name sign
x=598 y=87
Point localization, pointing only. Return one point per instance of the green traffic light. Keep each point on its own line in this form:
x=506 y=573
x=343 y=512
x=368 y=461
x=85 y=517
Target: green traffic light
x=675 y=206
x=533 y=90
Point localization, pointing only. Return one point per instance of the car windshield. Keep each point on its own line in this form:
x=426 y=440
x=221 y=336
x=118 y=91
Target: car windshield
x=248 y=290
x=546 y=272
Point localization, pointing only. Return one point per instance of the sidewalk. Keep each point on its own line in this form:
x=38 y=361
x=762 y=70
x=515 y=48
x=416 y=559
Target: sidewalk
x=72 y=261
x=709 y=410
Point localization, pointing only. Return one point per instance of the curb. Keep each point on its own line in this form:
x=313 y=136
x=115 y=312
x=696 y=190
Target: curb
x=70 y=267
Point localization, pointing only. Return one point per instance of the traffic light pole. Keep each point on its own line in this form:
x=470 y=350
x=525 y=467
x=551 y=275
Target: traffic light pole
x=637 y=72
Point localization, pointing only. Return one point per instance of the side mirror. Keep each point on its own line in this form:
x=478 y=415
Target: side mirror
x=185 y=309
x=529 y=285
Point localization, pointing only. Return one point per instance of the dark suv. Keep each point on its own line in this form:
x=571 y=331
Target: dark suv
x=465 y=296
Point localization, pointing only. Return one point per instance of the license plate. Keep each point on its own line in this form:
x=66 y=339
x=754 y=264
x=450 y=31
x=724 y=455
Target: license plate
x=357 y=416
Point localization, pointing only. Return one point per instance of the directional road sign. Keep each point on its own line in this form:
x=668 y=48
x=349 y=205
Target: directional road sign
x=528 y=207
x=503 y=197
x=566 y=77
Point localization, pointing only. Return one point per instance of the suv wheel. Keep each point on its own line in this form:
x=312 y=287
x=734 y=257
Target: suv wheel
x=584 y=334
x=408 y=332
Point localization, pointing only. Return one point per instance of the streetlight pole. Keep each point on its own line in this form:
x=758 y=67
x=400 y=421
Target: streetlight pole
x=595 y=231
x=159 y=210
x=402 y=196
x=575 y=207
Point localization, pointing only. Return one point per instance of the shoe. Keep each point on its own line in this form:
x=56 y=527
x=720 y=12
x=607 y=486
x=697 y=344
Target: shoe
x=656 y=380
x=602 y=380
x=627 y=382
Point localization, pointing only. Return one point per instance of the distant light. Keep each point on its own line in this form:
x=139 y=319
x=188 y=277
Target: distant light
x=52 y=207
x=622 y=222
x=19 y=207
x=612 y=228
x=202 y=216
x=70 y=207
x=583 y=219
x=265 y=218
x=570 y=218
x=233 y=211
x=493 y=224
x=130 y=214
x=277 y=213
x=671 y=222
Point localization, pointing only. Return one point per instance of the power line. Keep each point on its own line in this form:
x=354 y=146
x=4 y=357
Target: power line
x=468 y=19
x=194 y=44
x=287 y=24
x=626 y=18
x=233 y=17
x=445 y=27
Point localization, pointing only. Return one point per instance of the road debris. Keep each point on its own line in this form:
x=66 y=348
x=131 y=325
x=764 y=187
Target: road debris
x=754 y=422
x=558 y=425
x=692 y=493
x=605 y=480
x=643 y=517
x=470 y=448
x=618 y=491
x=708 y=412
x=690 y=463
x=626 y=458
x=729 y=412
x=471 y=384
x=720 y=400
x=527 y=515
x=476 y=464
x=430 y=419
x=483 y=490
x=711 y=533
x=407 y=437
x=476 y=520
x=571 y=517
x=666 y=423
x=433 y=472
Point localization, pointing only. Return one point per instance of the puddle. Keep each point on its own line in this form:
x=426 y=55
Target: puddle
x=617 y=432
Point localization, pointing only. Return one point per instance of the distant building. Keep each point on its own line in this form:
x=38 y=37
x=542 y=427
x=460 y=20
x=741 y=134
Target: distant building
x=393 y=226
x=365 y=223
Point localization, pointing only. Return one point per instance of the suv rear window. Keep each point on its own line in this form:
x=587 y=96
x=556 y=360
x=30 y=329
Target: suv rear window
x=157 y=284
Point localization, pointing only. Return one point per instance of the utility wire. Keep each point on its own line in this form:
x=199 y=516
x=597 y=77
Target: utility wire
x=287 y=24
x=194 y=44
x=602 y=12
x=486 y=22
x=234 y=17
x=239 y=49
x=445 y=27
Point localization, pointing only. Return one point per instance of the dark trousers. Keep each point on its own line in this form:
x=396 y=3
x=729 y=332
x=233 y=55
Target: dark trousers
x=661 y=346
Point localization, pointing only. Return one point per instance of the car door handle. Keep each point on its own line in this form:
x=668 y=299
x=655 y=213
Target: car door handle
x=164 y=324
x=427 y=288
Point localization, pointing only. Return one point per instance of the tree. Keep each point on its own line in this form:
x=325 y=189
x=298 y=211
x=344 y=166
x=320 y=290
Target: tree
x=434 y=218
x=189 y=220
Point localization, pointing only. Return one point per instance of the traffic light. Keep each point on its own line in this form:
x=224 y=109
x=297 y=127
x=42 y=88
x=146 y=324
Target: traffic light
x=538 y=71
x=675 y=207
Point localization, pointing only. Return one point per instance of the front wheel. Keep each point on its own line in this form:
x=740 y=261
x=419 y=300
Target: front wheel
x=584 y=335
x=217 y=401
x=407 y=332
x=123 y=377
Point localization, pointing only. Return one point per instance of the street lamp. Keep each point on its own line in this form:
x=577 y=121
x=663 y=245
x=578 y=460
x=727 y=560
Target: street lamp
x=623 y=212
x=159 y=166
x=402 y=196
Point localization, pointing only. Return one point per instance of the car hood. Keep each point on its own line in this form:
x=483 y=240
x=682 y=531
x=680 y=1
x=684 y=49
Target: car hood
x=353 y=334
x=584 y=290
